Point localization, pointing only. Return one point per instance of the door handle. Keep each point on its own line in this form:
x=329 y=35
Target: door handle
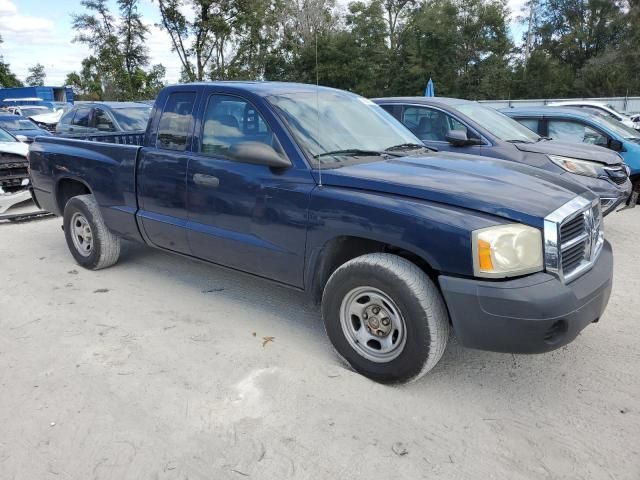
x=206 y=180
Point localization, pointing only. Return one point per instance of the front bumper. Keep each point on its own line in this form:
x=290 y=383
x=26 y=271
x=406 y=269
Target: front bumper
x=532 y=314
x=10 y=200
x=611 y=195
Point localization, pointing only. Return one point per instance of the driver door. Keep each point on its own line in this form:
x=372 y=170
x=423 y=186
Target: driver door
x=241 y=215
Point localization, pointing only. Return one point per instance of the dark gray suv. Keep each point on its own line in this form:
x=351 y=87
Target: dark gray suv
x=105 y=117
x=463 y=126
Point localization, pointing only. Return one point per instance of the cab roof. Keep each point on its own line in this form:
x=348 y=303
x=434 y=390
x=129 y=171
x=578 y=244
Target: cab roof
x=424 y=100
x=262 y=88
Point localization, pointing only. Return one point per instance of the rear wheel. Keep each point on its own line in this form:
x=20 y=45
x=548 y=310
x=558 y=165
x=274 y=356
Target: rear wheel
x=89 y=240
x=385 y=317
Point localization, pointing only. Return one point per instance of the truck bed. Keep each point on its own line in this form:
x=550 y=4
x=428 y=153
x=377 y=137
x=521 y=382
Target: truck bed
x=106 y=166
x=120 y=138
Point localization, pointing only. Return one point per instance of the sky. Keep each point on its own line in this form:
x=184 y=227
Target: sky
x=39 y=31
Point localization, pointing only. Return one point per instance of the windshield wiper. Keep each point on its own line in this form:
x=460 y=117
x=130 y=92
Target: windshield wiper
x=353 y=152
x=518 y=141
x=410 y=146
x=544 y=138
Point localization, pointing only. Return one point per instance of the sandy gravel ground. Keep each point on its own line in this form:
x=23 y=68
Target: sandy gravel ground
x=158 y=369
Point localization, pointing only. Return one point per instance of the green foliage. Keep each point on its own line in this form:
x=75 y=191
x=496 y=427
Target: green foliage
x=372 y=47
x=36 y=76
x=117 y=70
x=7 y=78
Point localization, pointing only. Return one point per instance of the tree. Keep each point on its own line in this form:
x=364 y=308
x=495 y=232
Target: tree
x=87 y=84
x=462 y=44
x=196 y=41
x=395 y=13
x=36 y=76
x=7 y=78
x=119 y=53
x=132 y=33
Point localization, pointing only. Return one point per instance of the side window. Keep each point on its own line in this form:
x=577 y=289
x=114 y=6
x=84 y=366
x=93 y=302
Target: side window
x=66 y=118
x=175 y=123
x=574 y=132
x=391 y=109
x=425 y=123
x=229 y=120
x=102 y=121
x=428 y=124
x=530 y=123
x=82 y=117
x=454 y=124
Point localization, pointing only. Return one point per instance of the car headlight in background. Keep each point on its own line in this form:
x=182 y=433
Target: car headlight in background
x=507 y=251
x=579 y=167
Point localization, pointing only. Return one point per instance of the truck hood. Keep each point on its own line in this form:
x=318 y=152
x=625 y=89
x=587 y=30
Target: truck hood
x=506 y=189
x=17 y=148
x=580 y=151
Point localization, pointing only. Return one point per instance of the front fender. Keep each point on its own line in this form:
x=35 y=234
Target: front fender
x=439 y=234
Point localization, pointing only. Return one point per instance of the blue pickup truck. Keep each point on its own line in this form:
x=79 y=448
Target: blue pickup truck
x=323 y=191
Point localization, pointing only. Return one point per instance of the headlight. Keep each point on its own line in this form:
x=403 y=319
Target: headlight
x=506 y=251
x=579 y=167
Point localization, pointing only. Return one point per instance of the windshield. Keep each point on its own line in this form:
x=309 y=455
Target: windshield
x=618 y=128
x=6 y=136
x=29 y=112
x=133 y=118
x=501 y=126
x=621 y=114
x=17 y=124
x=335 y=121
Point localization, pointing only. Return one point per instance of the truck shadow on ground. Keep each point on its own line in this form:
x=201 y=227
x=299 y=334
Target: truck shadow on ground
x=267 y=302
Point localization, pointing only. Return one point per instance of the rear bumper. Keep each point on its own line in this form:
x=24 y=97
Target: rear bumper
x=533 y=314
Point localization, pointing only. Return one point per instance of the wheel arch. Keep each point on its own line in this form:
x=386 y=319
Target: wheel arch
x=67 y=188
x=340 y=249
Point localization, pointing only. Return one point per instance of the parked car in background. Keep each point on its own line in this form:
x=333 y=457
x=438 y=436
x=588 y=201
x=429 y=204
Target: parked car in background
x=583 y=126
x=603 y=107
x=22 y=128
x=14 y=173
x=48 y=121
x=470 y=127
x=320 y=190
x=104 y=117
x=29 y=110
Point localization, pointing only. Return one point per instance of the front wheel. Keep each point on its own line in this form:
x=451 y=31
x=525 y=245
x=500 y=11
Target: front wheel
x=385 y=317
x=91 y=243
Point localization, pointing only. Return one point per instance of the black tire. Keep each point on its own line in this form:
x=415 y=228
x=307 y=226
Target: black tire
x=420 y=304
x=103 y=247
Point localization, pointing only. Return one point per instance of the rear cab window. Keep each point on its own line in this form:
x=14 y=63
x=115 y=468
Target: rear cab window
x=176 y=121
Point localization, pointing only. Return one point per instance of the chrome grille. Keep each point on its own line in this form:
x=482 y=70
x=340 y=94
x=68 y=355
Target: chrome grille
x=573 y=238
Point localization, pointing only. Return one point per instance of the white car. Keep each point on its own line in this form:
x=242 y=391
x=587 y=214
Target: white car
x=29 y=110
x=602 y=107
x=14 y=175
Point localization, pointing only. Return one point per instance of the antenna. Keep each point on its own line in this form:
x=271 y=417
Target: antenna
x=315 y=31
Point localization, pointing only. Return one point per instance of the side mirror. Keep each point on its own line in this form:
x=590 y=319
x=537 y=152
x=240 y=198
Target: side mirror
x=22 y=138
x=457 y=138
x=258 y=153
x=616 y=145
